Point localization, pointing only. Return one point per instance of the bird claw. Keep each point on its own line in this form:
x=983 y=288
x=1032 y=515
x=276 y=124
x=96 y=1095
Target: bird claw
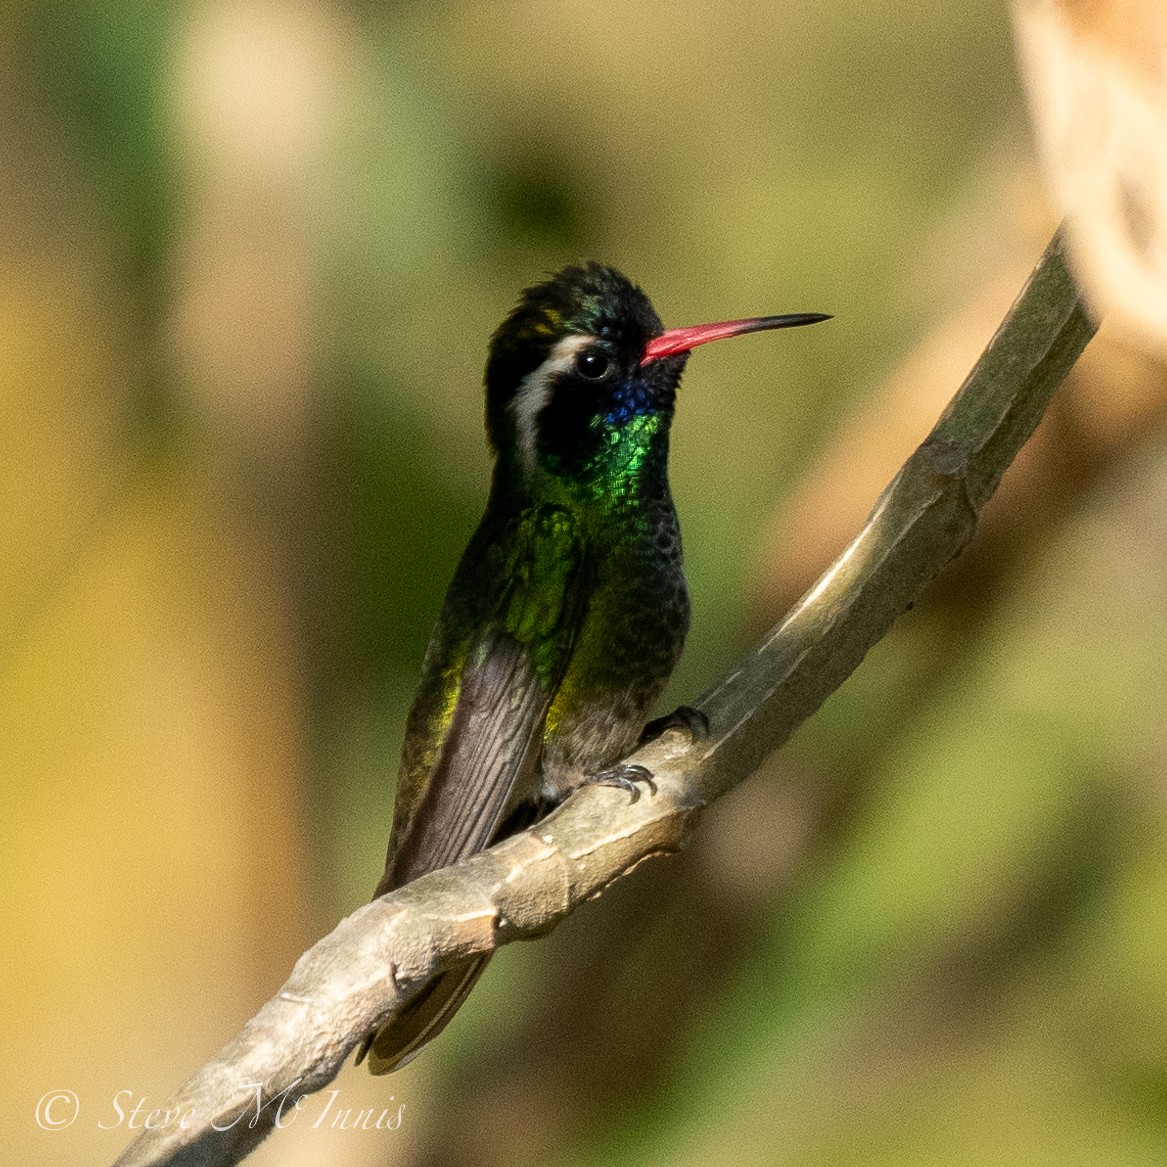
x=684 y=717
x=625 y=776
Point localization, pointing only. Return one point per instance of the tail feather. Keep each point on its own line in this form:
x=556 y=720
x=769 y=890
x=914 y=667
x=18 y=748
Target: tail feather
x=399 y=1042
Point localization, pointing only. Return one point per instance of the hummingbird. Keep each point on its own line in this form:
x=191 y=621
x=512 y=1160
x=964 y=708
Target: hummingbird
x=569 y=608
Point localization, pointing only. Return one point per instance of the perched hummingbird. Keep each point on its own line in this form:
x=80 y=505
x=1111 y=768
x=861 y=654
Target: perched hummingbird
x=569 y=608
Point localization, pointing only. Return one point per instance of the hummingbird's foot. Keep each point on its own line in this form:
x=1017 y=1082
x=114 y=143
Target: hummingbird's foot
x=626 y=775
x=685 y=717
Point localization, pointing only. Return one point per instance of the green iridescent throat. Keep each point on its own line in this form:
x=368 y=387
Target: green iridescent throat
x=629 y=462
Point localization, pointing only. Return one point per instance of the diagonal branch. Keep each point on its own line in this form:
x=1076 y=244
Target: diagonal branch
x=363 y=973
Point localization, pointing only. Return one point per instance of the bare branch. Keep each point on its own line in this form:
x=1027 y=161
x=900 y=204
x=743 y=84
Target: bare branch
x=361 y=974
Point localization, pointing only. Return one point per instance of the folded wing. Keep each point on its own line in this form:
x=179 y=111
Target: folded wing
x=501 y=647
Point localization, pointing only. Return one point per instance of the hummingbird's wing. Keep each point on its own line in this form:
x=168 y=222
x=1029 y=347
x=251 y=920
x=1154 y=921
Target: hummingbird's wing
x=500 y=650
x=502 y=644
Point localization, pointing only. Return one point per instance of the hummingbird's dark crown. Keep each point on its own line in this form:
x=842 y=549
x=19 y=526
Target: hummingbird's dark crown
x=593 y=300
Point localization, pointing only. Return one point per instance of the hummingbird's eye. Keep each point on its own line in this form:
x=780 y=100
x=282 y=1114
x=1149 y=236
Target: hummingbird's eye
x=592 y=363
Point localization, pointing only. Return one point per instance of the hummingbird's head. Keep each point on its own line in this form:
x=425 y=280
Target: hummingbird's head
x=582 y=377
x=564 y=369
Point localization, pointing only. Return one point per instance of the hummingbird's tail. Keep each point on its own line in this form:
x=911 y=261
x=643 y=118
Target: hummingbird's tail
x=399 y=1042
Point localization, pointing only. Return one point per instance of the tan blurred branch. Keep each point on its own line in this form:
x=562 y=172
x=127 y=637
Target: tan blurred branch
x=360 y=975
x=1096 y=79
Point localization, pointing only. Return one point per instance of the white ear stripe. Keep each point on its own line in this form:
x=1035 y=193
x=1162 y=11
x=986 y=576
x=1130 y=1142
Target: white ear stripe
x=535 y=389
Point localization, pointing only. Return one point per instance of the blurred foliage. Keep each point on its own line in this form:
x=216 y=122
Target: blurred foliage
x=277 y=234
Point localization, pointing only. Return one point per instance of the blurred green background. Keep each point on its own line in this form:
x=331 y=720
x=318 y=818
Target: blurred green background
x=250 y=256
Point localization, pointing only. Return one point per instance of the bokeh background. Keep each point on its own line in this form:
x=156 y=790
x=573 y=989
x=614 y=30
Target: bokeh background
x=250 y=256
